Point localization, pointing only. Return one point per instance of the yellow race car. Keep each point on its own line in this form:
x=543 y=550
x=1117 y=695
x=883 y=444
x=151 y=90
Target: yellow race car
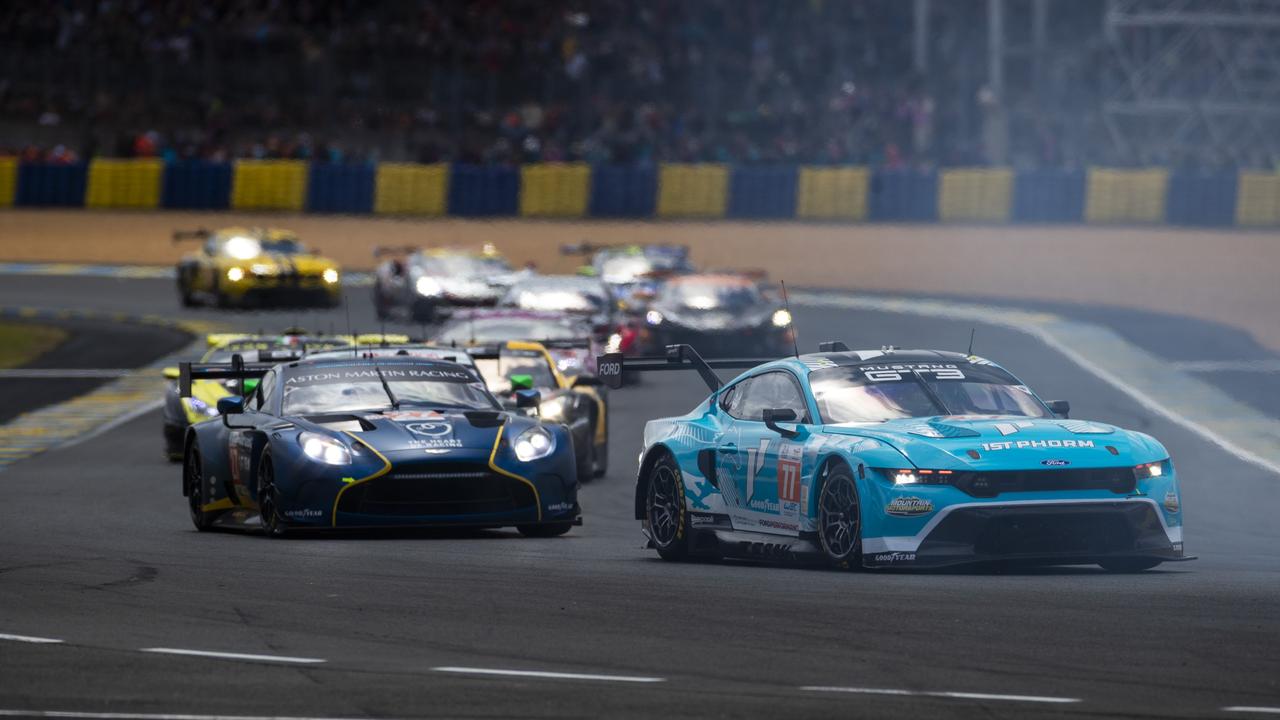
x=255 y=267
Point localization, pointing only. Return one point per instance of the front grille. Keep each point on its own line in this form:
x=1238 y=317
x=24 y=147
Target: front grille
x=1085 y=533
x=438 y=490
x=990 y=484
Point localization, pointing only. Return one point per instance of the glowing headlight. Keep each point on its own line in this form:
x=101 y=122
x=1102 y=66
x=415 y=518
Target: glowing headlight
x=428 y=286
x=243 y=248
x=324 y=449
x=1149 y=470
x=534 y=443
x=781 y=318
x=653 y=317
x=262 y=269
x=235 y=274
x=614 y=344
x=554 y=408
x=329 y=275
x=202 y=407
x=904 y=477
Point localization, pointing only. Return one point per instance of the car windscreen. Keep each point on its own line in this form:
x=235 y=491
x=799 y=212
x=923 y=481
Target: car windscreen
x=284 y=247
x=890 y=391
x=509 y=328
x=558 y=298
x=464 y=266
x=349 y=388
x=710 y=295
x=498 y=371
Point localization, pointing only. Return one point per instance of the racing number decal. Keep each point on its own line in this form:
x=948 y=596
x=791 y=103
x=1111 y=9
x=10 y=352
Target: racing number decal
x=789 y=475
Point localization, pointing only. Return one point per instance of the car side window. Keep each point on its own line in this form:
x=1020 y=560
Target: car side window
x=264 y=390
x=729 y=396
x=772 y=390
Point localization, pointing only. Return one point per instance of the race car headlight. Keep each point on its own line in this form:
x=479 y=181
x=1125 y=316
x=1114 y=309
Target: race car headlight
x=554 y=408
x=919 y=477
x=1150 y=470
x=781 y=318
x=534 y=443
x=235 y=274
x=202 y=407
x=262 y=269
x=427 y=286
x=329 y=275
x=653 y=317
x=324 y=449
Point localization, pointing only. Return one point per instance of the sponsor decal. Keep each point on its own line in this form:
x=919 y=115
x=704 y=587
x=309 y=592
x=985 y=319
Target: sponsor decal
x=1171 y=502
x=434 y=443
x=909 y=506
x=1036 y=444
x=775 y=524
x=1055 y=462
x=893 y=557
x=560 y=506
x=769 y=506
x=1177 y=547
x=303 y=513
x=403 y=415
x=700 y=519
x=429 y=429
x=390 y=373
x=893 y=373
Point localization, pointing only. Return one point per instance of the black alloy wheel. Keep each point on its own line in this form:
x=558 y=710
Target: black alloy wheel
x=269 y=498
x=193 y=479
x=665 y=510
x=839 y=521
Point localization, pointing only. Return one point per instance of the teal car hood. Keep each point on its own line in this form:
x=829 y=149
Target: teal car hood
x=1007 y=442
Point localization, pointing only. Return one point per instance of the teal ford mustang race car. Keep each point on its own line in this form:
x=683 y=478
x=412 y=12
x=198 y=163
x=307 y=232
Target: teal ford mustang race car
x=896 y=458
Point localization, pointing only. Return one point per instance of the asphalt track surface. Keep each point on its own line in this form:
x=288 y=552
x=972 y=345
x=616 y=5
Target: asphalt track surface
x=96 y=550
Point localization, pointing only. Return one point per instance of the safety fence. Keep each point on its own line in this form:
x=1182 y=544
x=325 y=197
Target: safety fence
x=820 y=193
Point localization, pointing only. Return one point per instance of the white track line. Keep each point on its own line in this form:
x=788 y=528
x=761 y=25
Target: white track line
x=146 y=715
x=29 y=639
x=234 y=656
x=1252 y=709
x=953 y=695
x=548 y=675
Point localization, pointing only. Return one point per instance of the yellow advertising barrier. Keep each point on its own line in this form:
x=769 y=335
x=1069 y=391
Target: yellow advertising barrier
x=411 y=189
x=1118 y=196
x=269 y=185
x=832 y=193
x=554 y=189
x=975 y=194
x=1258 y=199
x=693 y=190
x=131 y=183
x=8 y=180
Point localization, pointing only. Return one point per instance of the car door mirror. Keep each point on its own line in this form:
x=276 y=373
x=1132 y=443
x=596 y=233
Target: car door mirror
x=528 y=398
x=773 y=416
x=1061 y=408
x=231 y=405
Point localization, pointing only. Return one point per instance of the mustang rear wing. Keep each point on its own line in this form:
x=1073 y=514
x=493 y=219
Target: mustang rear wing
x=237 y=369
x=612 y=366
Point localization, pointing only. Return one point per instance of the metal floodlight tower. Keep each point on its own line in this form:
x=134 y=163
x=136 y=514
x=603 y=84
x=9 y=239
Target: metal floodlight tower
x=1194 y=77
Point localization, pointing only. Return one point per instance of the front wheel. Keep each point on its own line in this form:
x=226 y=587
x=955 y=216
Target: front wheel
x=1128 y=565
x=269 y=498
x=665 y=510
x=839 y=522
x=545 y=530
x=193 y=481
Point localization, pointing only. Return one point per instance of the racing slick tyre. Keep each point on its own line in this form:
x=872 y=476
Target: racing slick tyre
x=269 y=498
x=839 y=522
x=664 y=510
x=544 y=531
x=1128 y=565
x=193 y=485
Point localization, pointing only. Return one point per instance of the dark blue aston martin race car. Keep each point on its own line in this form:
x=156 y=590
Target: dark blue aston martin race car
x=374 y=442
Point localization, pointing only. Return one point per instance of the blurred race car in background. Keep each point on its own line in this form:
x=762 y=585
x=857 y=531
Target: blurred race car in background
x=633 y=271
x=374 y=442
x=722 y=314
x=255 y=267
x=179 y=413
x=571 y=340
x=426 y=284
x=588 y=298
x=580 y=402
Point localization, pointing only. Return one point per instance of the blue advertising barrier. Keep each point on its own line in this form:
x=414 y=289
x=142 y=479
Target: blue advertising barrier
x=51 y=185
x=484 y=191
x=1201 y=199
x=335 y=188
x=763 y=192
x=1049 y=196
x=904 y=195
x=196 y=185
x=623 y=191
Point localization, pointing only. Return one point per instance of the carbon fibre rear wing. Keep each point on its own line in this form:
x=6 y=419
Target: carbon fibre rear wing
x=611 y=368
x=237 y=369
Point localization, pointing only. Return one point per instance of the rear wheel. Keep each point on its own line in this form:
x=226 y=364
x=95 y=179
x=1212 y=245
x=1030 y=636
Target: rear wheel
x=1128 y=565
x=545 y=530
x=269 y=498
x=665 y=510
x=839 y=521
x=193 y=479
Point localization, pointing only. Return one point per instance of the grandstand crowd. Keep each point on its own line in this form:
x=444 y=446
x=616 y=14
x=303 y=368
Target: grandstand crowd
x=513 y=81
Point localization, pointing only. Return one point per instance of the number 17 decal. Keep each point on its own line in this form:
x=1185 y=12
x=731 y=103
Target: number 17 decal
x=789 y=457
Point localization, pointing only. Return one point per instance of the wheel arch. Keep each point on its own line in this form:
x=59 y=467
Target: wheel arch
x=650 y=458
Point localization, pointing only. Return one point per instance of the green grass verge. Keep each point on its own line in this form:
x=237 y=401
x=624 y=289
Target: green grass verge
x=21 y=343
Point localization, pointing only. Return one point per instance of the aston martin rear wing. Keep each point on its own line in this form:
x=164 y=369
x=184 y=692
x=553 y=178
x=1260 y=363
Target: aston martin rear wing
x=612 y=367
x=237 y=369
